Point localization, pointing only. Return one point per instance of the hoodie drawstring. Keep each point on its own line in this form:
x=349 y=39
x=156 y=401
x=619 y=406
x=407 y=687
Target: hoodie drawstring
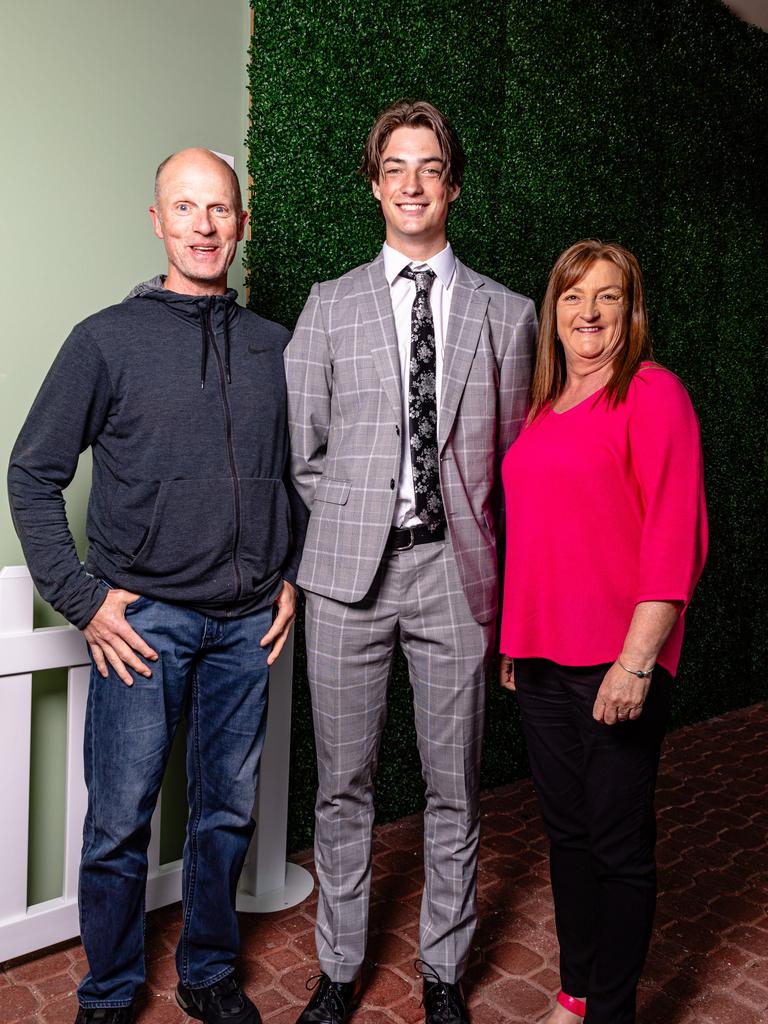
x=203 y=345
x=206 y=326
x=226 y=348
x=190 y=307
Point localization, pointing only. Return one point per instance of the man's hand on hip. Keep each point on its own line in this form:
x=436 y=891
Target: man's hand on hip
x=281 y=627
x=113 y=642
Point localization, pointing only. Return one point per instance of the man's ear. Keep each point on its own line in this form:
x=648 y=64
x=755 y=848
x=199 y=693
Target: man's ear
x=453 y=192
x=375 y=189
x=157 y=223
x=242 y=221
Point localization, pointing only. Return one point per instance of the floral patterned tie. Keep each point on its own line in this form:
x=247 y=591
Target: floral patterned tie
x=422 y=404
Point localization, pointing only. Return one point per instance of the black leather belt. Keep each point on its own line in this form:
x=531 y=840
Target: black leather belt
x=407 y=537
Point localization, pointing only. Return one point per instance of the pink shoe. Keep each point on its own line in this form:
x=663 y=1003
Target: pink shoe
x=577 y=1006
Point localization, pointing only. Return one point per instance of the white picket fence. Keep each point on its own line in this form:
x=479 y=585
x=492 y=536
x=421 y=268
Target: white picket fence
x=268 y=882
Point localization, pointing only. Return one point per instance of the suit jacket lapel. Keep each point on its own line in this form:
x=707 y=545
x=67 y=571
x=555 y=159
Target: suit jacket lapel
x=379 y=322
x=468 y=305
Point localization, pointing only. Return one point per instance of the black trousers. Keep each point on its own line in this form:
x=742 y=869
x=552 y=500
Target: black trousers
x=595 y=785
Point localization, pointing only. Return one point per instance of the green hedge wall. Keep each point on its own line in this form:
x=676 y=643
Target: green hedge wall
x=644 y=123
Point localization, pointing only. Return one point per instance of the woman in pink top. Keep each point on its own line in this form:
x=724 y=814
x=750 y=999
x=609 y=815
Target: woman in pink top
x=606 y=539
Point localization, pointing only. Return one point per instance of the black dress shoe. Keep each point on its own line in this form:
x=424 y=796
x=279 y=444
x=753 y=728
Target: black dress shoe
x=333 y=1002
x=224 y=1002
x=106 y=1015
x=443 y=1002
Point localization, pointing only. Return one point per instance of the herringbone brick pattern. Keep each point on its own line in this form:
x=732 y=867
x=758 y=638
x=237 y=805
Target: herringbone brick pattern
x=708 y=963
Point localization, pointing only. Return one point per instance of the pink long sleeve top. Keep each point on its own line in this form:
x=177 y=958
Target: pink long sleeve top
x=605 y=508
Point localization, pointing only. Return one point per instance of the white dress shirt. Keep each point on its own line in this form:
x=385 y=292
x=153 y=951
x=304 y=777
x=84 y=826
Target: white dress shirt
x=403 y=292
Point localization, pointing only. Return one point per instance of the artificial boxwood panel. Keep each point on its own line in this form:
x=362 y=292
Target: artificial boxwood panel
x=644 y=123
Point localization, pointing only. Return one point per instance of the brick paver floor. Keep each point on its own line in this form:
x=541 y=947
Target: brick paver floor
x=708 y=962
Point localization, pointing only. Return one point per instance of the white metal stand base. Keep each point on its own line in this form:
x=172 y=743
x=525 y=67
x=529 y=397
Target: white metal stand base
x=298 y=885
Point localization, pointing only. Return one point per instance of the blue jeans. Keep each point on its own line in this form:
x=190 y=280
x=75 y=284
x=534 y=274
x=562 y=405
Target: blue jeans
x=215 y=671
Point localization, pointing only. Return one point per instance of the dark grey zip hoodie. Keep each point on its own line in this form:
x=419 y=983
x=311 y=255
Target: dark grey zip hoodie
x=182 y=400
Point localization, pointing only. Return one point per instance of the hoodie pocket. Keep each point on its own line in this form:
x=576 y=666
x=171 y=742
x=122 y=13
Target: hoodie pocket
x=266 y=527
x=191 y=531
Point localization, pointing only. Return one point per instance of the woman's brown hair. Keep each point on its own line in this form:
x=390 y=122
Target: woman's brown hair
x=550 y=373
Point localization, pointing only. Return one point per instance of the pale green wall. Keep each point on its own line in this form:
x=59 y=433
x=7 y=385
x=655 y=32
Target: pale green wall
x=93 y=94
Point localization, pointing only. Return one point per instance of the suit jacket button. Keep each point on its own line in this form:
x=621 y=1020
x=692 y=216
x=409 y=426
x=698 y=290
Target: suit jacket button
x=392 y=484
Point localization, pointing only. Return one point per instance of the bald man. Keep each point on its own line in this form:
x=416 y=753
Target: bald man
x=188 y=588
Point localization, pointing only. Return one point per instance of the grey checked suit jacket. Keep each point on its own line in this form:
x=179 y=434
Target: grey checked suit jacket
x=344 y=417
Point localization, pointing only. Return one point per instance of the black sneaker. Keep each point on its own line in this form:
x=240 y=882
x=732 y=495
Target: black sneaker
x=106 y=1015
x=333 y=1002
x=224 y=1002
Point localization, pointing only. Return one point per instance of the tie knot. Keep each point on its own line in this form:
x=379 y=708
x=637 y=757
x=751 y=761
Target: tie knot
x=423 y=278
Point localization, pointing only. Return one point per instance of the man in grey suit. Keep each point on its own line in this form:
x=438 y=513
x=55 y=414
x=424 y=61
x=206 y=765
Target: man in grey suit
x=408 y=380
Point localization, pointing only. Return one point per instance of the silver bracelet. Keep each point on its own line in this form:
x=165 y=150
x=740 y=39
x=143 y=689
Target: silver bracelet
x=635 y=671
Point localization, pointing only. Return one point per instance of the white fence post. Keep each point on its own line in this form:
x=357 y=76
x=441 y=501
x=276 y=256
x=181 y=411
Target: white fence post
x=15 y=744
x=24 y=650
x=76 y=795
x=268 y=881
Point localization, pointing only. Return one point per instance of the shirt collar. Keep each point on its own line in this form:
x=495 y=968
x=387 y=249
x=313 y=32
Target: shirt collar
x=443 y=263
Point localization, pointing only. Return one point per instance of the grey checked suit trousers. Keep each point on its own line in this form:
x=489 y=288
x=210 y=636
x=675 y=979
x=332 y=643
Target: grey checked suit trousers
x=417 y=597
